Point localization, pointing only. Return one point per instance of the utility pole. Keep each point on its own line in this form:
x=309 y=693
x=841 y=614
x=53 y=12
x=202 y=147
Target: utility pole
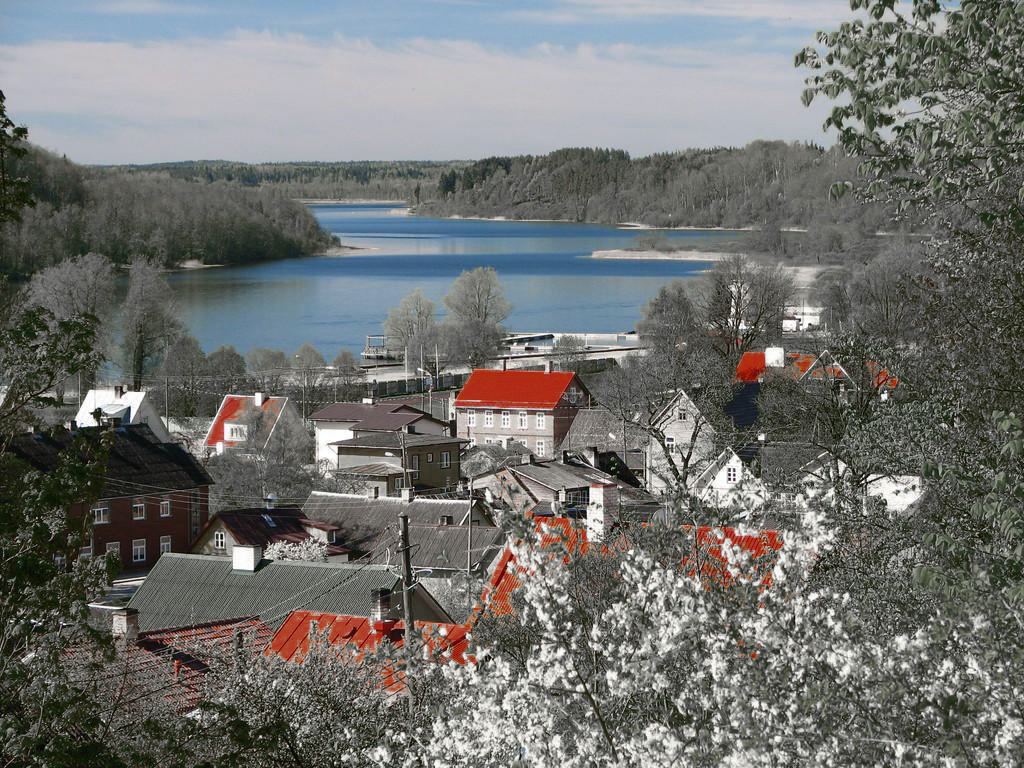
x=410 y=628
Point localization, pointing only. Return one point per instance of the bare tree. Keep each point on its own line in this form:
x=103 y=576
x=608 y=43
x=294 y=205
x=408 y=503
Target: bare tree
x=268 y=368
x=476 y=308
x=148 y=320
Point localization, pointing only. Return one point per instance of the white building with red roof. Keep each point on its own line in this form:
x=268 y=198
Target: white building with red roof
x=532 y=408
x=245 y=422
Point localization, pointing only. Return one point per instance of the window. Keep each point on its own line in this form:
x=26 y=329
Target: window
x=165 y=508
x=471 y=419
x=415 y=467
x=488 y=441
x=85 y=552
x=100 y=515
x=541 y=448
x=195 y=514
x=446 y=459
x=506 y=419
x=138 y=550
x=218 y=540
x=139 y=510
x=540 y=421
x=235 y=431
x=488 y=418
x=731 y=474
x=165 y=544
x=114 y=548
x=670 y=444
x=522 y=419
x=60 y=562
x=430 y=458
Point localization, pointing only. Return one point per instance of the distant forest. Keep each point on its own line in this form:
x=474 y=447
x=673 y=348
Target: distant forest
x=125 y=213
x=769 y=186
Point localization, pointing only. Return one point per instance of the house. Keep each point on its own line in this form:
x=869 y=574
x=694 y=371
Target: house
x=263 y=527
x=186 y=590
x=729 y=483
x=615 y=443
x=155 y=496
x=391 y=461
x=545 y=488
x=533 y=408
x=689 y=441
x=345 y=421
x=247 y=423
x=367 y=524
x=117 y=406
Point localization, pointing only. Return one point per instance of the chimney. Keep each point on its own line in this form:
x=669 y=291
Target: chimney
x=548 y=366
x=125 y=626
x=774 y=357
x=527 y=458
x=257 y=399
x=118 y=391
x=372 y=492
x=270 y=501
x=246 y=557
x=504 y=363
x=594 y=457
x=382 y=614
x=408 y=494
x=604 y=503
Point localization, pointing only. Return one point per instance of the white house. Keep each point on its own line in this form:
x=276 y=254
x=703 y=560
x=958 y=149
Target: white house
x=346 y=421
x=116 y=405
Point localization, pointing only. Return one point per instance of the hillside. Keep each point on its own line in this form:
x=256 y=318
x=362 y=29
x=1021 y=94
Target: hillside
x=123 y=214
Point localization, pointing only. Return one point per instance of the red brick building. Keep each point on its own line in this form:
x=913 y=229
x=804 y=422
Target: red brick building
x=155 y=495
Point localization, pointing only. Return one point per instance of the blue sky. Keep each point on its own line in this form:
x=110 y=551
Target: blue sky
x=118 y=81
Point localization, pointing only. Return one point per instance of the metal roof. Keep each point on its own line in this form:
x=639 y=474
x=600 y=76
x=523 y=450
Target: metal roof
x=395 y=440
x=184 y=590
x=516 y=389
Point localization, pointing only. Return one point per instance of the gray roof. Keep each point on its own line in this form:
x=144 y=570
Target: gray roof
x=375 y=417
x=443 y=547
x=600 y=428
x=395 y=440
x=183 y=590
x=373 y=469
x=361 y=521
x=557 y=475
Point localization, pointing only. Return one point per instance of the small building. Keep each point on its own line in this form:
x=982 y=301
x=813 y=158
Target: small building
x=117 y=406
x=155 y=496
x=532 y=408
x=345 y=421
x=264 y=526
x=390 y=461
x=247 y=423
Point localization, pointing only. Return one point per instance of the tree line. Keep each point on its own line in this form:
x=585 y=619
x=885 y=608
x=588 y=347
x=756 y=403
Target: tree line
x=73 y=210
x=767 y=185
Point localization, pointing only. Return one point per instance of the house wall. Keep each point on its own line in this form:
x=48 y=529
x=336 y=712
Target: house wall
x=327 y=432
x=180 y=526
x=527 y=436
x=427 y=458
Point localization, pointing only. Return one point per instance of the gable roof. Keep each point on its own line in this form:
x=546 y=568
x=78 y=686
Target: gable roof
x=557 y=475
x=184 y=590
x=362 y=521
x=515 y=389
x=262 y=526
x=138 y=463
x=233 y=407
x=442 y=547
x=374 y=417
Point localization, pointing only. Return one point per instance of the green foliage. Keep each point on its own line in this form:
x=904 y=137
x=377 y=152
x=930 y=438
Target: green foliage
x=14 y=187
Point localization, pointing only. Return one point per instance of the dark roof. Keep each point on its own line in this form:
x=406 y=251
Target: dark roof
x=373 y=469
x=184 y=590
x=362 y=521
x=783 y=464
x=557 y=475
x=138 y=463
x=600 y=428
x=264 y=526
x=374 y=417
x=394 y=440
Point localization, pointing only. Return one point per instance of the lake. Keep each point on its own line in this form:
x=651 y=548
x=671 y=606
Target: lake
x=334 y=301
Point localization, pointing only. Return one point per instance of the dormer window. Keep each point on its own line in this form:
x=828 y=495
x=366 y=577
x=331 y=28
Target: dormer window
x=218 y=540
x=235 y=432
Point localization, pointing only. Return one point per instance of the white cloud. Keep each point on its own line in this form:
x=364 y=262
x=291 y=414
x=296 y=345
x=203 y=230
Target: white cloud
x=803 y=12
x=147 y=7
x=260 y=96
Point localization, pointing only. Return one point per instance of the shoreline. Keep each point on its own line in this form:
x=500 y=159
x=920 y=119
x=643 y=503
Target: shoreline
x=803 y=274
x=349 y=201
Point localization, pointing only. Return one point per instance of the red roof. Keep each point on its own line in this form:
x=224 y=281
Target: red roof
x=515 y=389
x=445 y=642
x=230 y=409
x=508 y=574
x=750 y=367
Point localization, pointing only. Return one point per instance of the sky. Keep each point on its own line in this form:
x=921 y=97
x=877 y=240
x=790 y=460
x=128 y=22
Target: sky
x=145 y=81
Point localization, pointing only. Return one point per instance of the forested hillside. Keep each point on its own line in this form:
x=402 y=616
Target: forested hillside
x=122 y=215
x=769 y=186
x=396 y=180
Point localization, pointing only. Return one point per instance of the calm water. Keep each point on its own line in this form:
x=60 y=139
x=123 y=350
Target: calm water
x=335 y=301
